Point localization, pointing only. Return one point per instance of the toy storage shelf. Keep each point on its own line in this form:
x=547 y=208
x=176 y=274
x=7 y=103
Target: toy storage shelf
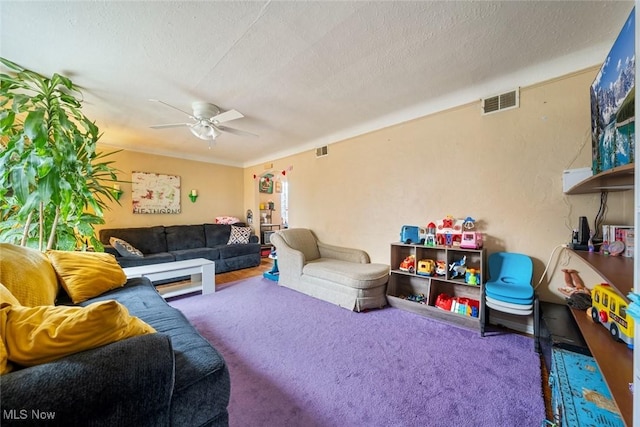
x=403 y=283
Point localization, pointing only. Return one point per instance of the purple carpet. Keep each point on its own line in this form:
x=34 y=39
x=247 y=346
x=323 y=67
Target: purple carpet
x=298 y=361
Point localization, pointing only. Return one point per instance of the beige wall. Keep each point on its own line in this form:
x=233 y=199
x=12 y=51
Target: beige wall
x=504 y=170
x=220 y=191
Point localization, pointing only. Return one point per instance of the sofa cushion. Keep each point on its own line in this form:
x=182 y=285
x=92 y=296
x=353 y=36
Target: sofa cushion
x=354 y=275
x=207 y=253
x=232 y=251
x=28 y=275
x=239 y=235
x=217 y=234
x=236 y=263
x=84 y=275
x=303 y=240
x=36 y=335
x=184 y=237
x=149 y=240
x=125 y=248
x=199 y=368
x=113 y=385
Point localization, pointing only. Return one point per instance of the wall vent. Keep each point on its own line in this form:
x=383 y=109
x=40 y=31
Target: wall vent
x=504 y=101
x=322 y=151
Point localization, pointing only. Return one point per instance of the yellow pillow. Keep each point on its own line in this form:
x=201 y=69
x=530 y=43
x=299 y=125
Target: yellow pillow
x=28 y=275
x=6 y=297
x=37 y=335
x=5 y=365
x=85 y=275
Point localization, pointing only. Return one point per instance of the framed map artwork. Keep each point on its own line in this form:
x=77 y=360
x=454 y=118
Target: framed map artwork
x=154 y=193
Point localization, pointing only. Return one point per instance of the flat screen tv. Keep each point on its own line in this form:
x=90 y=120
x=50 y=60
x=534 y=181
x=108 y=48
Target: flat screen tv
x=612 y=104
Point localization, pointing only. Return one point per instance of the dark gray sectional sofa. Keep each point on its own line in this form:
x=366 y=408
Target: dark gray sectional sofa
x=179 y=242
x=171 y=378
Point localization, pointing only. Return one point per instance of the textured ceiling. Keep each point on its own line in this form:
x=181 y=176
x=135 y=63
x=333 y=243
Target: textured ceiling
x=304 y=74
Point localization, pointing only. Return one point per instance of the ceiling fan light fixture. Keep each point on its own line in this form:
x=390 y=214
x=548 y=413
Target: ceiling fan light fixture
x=206 y=121
x=204 y=131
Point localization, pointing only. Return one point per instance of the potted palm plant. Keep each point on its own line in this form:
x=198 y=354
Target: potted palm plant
x=54 y=185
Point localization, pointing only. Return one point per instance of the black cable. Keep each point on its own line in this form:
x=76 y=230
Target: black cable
x=597 y=222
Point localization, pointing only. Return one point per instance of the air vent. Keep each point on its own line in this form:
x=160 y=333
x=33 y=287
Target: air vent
x=504 y=101
x=322 y=151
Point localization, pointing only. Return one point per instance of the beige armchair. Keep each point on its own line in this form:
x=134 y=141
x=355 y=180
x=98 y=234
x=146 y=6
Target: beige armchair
x=342 y=276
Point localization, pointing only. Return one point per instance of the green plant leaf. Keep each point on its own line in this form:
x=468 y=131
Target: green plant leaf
x=7 y=119
x=48 y=154
x=20 y=184
x=34 y=124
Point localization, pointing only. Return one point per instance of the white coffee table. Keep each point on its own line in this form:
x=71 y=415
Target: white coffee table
x=202 y=273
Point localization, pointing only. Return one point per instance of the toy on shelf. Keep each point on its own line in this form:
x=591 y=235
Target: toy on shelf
x=449 y=231
x=470 y=239
x=409 y=264
x=610 y=309
x=441 y=268
x=430 y=238
x=458 y=268
x=472 y=277
x=574 y=283
x=412 y=234
x=419 y=298
x=443 y=301
x=466 y=306
x=426 y=267
x=460 y=305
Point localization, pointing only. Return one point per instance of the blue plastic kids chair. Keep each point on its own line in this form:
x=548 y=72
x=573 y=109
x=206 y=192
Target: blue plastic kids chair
x=509 y=290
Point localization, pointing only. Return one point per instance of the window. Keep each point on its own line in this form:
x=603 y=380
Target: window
x=284 y=204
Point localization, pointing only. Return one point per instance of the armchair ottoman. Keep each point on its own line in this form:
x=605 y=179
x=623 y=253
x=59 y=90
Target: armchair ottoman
x=342 y=276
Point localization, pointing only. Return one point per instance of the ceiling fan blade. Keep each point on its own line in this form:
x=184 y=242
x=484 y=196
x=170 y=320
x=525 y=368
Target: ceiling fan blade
x=227 y=116
x=170 y=125
x=171 y=106
x=237 y=131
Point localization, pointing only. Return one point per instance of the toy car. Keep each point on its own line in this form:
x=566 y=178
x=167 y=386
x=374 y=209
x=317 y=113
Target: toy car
x=409 y=264
x=441 y=268
x=610 y=310
x=412 y=234
x=426 y=267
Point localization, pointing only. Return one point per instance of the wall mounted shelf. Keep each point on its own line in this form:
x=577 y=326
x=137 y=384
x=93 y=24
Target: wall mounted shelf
x=616 y=179
x=614 y=359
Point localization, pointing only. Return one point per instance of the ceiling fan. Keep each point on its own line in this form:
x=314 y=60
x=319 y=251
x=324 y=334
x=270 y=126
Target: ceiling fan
x=207 y=119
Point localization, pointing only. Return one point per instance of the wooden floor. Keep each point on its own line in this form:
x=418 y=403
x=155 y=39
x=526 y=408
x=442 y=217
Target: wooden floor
x=266 y=265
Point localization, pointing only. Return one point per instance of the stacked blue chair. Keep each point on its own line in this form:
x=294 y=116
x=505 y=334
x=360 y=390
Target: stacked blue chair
x=510 y=290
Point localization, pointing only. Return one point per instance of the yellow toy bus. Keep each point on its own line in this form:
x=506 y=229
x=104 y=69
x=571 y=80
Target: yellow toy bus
x=610 y=309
